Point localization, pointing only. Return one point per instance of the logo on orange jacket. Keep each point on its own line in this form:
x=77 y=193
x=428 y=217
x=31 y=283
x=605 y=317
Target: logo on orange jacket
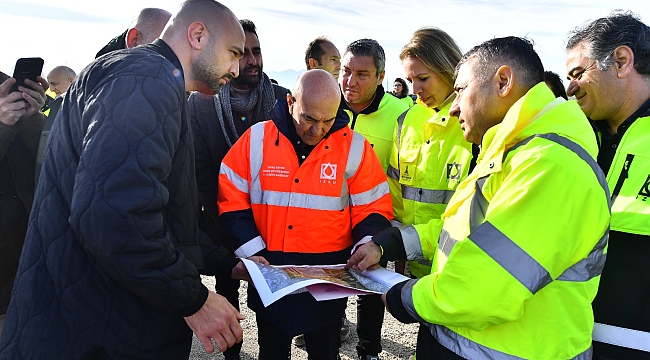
x=328 y=171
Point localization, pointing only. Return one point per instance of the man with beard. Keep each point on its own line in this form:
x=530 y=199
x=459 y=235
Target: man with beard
x=217 y=122
x=111 y=262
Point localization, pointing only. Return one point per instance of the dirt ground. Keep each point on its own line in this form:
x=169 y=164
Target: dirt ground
x=398 y=340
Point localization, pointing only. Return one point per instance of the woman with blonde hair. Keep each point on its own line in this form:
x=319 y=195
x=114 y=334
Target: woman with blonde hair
x=430 y=156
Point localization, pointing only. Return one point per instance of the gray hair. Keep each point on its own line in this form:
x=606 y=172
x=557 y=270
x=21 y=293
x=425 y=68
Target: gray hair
x=602 y=36
x=369 y=47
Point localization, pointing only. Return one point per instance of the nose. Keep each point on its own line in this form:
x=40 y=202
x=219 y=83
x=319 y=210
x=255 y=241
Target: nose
x=454 y=110
x=234 y=69
x=572 y=88
x=251 y=60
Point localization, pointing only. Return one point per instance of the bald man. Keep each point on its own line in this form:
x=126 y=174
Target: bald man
x=60 y=79
x=111 y=262
x=302 y=189
x=145 y=28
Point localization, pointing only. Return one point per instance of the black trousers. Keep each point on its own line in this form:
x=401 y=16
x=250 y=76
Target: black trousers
x=429 y=348
x=370 y=317
x=321 y=344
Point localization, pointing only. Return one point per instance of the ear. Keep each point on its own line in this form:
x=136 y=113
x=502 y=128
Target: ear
x=197 y=35
x=312 y=63
x=504 y=78
x=133 y=38
x=381 y=76
x=290 y=101
x=623 y=61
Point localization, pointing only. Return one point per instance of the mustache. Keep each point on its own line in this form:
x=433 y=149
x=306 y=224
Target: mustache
x=250 y=67
x=227 y=77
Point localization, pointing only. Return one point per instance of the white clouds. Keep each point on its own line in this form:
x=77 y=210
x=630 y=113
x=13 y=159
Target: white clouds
x=286 y=27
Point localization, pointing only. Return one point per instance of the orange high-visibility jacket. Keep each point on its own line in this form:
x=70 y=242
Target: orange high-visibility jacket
x=308 y=208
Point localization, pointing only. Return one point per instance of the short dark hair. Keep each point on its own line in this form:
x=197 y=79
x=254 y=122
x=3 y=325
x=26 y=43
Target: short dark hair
x=369 y=47
x=516 y=52
x=601 y=37
x=554 y=82
x=248 y=26
x=315 y=51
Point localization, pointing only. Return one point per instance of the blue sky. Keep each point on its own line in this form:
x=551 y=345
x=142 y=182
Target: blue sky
x=70 y=32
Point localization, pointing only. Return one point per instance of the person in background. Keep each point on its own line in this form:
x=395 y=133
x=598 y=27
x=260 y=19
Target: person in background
x=554 y=82
x=373 y=113
x=608 y=67
x=60 y=79
x=504 y=278
x=112 y=257
x=20 y=128
x=144 y=29
x=322 y=54
x=401 y=91
x=217 y=122
x=302 y=189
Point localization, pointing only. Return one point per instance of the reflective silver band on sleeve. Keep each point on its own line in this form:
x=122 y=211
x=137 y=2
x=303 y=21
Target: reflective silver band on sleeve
x=411 y=241
x=406 y=296
x=618 y=336
x=240 y=183
x=446 y=243
x=511 y=257
x=370 y=196
x=251 y=247
x=469 y=349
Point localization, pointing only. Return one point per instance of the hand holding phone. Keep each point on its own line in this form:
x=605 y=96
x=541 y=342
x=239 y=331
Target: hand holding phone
x=26 y=68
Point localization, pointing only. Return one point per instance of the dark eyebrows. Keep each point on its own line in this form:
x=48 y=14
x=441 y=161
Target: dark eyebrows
x=572 y=73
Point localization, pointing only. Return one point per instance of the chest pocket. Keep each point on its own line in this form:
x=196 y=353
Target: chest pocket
x=631 y=195
x=408 y=161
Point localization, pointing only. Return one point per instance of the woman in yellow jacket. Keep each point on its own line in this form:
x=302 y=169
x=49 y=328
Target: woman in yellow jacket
x=430 y=156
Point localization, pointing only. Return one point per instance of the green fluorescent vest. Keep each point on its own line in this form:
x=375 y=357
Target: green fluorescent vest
x=629 y=180
x=378 y=127
x=429 y=159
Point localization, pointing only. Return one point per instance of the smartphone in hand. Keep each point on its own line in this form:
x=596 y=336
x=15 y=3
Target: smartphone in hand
x=26 y=68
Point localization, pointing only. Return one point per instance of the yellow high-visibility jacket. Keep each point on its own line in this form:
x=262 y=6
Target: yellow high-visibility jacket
x=378 y=125
x=521 y=243
x=430 y=158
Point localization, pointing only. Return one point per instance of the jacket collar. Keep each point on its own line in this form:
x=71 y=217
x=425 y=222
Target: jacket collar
x=284 y=121
x=163 y=49
x=372 y=107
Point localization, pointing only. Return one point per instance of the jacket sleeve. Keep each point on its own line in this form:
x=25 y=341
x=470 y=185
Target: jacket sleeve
x=518 y=249
x=371 y=207
x=118 y=208
x=236 y=214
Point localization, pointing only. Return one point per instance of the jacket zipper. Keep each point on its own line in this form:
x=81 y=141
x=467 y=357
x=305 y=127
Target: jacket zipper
x=623 y=176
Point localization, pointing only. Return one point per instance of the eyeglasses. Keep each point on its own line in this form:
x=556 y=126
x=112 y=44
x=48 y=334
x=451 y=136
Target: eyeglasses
x=397 y=85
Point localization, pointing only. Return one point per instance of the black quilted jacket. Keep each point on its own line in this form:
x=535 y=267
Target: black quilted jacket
x=110 y=261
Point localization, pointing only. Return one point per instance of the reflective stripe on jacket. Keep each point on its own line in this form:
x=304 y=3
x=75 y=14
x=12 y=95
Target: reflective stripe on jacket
x=378 y=127
x=308 y=208
x=430 y=157
x=629 y=180
x=521 y=242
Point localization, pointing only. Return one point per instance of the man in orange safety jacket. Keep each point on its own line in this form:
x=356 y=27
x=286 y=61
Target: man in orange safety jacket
x=302 y=189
